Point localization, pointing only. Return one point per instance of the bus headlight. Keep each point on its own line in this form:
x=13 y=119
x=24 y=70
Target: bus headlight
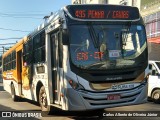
x=75 y=85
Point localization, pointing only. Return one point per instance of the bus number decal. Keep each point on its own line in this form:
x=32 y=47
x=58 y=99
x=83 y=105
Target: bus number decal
x=40 y=77
x=86 y=55
x=9 y=75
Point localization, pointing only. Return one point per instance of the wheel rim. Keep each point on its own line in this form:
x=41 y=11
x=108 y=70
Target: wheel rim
x=43 y=99
x=156 y=96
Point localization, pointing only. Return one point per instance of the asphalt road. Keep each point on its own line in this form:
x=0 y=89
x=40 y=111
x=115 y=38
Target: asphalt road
x=26 y=107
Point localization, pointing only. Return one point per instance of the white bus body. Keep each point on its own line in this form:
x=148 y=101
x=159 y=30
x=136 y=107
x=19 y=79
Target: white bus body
x=61 y=71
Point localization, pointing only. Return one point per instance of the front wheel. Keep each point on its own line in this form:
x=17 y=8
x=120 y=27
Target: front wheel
x=156 y=96
x=43 y=100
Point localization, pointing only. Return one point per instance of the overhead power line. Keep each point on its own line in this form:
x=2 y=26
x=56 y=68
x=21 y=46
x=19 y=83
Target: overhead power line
x=10 y=38
x=22 y=14
x=39 y=15
x=8 y=44
x=14 y=30
x=20 y=17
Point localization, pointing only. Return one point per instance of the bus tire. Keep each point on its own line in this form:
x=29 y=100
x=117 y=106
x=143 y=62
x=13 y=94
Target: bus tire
x=43 y=100
x=13 y=93
x=156 y=96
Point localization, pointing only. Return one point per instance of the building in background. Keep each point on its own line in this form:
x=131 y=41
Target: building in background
x=150 y=11
x=89 y=1
x=118 y=2
x=151 y=16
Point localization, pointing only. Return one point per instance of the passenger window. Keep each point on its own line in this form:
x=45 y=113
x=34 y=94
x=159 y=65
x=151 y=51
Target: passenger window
x=39 y=47
x=27 y=54
x=10 y=61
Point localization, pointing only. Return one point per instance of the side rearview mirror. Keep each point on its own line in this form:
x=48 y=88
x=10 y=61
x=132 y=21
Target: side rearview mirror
x=65 y=37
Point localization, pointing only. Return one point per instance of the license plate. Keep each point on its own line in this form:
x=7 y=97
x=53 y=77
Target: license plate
x=113 y=97
x=123 y=86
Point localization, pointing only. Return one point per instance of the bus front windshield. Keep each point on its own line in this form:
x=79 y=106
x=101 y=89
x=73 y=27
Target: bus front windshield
x=107 y=46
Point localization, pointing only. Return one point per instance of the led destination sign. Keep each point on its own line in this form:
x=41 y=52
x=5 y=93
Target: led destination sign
x=101 y=14
x=111 y=12
x=84 y=56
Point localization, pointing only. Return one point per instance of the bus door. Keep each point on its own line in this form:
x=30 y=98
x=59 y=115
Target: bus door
x=19 y=70
x=55 y=67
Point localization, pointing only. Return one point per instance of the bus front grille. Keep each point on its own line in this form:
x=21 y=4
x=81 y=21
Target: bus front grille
x=100 y=97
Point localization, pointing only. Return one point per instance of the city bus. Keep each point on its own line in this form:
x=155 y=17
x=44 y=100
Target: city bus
x=83 y=57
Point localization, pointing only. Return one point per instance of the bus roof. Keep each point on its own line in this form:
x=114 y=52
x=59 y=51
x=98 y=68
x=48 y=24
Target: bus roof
x=15 y=46
x=47 y=22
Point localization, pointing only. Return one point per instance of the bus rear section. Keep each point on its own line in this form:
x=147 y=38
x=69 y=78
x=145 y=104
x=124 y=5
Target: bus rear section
x=12 y=70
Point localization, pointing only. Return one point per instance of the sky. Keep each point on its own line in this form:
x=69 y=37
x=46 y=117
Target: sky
x=19 y=17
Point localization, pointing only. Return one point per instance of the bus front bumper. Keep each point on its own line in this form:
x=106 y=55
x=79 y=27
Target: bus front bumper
x=89 y=100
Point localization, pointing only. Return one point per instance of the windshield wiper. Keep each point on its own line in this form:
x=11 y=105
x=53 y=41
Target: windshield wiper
x=93 y=35
x=124 y=35
x=95 y=65
x=126 y=32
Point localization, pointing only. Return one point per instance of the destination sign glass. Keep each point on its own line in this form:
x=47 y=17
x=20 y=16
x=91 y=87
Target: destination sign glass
x=111 y=12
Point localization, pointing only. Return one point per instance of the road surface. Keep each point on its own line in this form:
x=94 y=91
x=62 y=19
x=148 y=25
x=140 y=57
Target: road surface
x=27 y=107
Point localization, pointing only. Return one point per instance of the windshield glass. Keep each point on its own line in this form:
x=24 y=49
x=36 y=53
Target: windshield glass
x=106 y=46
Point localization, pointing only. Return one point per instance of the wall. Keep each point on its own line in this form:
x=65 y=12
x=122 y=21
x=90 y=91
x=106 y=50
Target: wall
x=128 y=2
x=153 y=51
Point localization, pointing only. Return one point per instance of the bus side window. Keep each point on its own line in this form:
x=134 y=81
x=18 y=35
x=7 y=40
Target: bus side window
x=39 y=47
x=27 y=54
x=10 y=61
